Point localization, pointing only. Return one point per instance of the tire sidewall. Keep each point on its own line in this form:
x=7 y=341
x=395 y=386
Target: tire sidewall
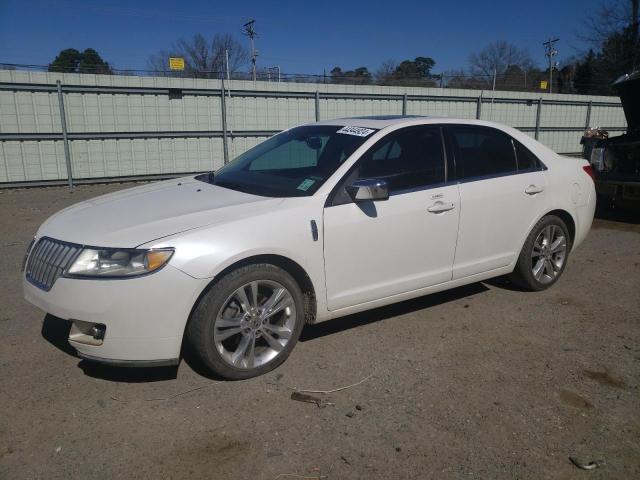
x=207 y=310
x=525 y=274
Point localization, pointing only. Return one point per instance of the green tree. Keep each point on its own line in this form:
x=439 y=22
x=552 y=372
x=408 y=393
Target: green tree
x=66 y=61
x=415 y=71
x=360 y=75
x=71 y=60
x=620 y=54
x=583 y=79
x=91 y=62
x=613 y=32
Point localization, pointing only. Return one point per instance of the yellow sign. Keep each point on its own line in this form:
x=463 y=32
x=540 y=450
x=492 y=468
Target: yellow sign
x=544 y=84
x=176 y=63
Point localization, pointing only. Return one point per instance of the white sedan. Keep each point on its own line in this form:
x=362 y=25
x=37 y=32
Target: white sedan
x=317 y=222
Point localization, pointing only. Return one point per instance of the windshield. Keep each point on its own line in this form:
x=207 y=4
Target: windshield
x=294 y=163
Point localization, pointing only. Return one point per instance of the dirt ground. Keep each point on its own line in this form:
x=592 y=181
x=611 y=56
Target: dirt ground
x=479 y=382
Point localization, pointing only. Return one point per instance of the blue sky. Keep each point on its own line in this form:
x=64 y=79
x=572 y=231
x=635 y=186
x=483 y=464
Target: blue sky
x=301 y=36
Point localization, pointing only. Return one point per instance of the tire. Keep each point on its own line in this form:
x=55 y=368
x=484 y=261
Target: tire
x=248 y=322
x=536 y=249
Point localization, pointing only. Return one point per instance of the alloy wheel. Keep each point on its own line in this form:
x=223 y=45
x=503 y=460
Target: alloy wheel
x=254 y=324
x=548 y=254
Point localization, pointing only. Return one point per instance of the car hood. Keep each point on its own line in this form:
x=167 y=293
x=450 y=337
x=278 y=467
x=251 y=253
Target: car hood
x=628 y=87
x=131 y=217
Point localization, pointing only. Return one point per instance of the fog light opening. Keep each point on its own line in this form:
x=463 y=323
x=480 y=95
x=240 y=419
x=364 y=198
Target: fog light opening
x=87 y=333
x=97 y=331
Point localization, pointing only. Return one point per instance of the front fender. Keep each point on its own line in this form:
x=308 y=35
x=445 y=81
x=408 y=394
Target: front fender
x=205 y=252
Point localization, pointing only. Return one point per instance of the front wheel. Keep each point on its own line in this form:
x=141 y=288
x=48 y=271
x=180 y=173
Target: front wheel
x=544 y=255
x=248 y=322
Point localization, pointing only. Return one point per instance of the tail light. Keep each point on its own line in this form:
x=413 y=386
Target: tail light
x=589 y=170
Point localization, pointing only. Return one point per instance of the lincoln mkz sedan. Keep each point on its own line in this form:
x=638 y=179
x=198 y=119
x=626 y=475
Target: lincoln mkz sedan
x=317 y=222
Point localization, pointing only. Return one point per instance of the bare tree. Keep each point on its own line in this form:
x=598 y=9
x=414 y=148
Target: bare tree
x=384 y=74
x=499 y=57
x=462 y=79
x=612 y=16
x=612 y=31
x=202 y=57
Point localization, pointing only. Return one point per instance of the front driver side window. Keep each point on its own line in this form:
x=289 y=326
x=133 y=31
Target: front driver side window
x=412 y=157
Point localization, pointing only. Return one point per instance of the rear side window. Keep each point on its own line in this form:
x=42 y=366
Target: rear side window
x=481 y=152
x=409 y=158
x=526 y=160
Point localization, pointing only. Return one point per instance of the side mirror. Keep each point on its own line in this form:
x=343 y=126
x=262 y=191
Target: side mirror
x=368 y=190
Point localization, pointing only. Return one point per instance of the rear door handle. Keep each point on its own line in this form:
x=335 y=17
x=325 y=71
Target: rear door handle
x=533 y=189
x=440 y=207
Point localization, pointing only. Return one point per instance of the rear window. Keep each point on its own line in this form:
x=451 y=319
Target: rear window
x=482 y=152
x=526 y=160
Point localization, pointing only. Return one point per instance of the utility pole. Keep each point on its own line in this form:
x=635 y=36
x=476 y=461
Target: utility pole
x=251 y=33
x=226 y=61
x=550 y=52
x=493 y=91
x=634 y=21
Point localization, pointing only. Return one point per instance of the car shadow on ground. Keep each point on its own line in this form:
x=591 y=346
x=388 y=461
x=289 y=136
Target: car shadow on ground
x=128 y=374
x=56 y=331
x=313 y=332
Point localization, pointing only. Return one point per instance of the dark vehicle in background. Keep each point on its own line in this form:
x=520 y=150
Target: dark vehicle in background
x=616 y=161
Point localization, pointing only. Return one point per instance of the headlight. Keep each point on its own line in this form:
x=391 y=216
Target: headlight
x=109 y=262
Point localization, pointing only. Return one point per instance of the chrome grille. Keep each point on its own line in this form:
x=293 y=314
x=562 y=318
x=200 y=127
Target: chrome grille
x=48 y=260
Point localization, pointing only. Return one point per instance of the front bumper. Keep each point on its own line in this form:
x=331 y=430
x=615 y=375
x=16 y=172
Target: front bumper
x=144 y=317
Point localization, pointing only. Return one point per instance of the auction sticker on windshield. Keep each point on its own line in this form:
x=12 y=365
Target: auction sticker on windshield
x=357 y=131
x=304 y=186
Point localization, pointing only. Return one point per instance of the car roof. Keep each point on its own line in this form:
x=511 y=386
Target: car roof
x=374 y=121
x=383 y=121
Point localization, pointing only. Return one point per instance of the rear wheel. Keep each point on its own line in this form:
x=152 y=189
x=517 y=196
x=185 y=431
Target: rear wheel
x=544 y=255
x=248 y=322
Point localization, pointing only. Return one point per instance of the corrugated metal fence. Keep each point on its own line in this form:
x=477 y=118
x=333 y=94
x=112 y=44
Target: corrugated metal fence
x=128 y=126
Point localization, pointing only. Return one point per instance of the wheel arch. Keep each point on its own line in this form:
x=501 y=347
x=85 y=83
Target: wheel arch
x=290 y=266
x=564 y=215
x=568 y=219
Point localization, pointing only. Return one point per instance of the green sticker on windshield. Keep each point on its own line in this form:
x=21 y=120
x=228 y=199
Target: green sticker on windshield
x=304 y=186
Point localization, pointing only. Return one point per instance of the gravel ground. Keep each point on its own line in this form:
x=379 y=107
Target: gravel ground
x=479 y=382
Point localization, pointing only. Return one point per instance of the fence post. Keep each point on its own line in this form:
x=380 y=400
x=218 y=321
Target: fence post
x=587 y=121
x=65 y=137
x=223 y=108
x=317 y=106
x=537 y=134
x=404 y=104
x=479 y=107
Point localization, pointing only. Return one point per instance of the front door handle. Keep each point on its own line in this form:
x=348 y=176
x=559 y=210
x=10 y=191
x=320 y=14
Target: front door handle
x=440 y=207
x=533 y=189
